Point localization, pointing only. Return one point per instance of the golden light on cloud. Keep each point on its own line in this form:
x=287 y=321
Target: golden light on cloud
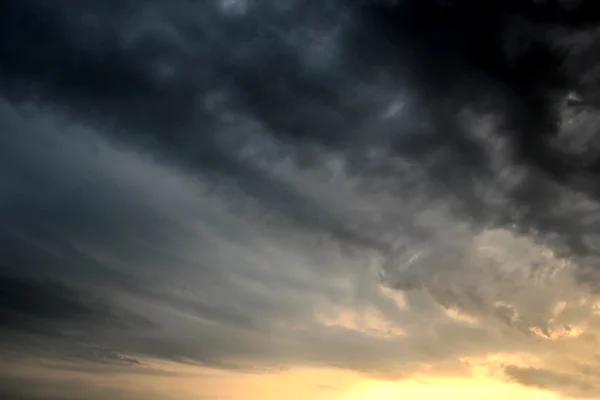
x=459 y=316
x=368 y=321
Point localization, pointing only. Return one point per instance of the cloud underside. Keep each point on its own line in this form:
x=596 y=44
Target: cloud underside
x=261 y=185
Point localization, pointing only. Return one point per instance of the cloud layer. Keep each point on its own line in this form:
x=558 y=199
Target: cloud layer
x=394 y=188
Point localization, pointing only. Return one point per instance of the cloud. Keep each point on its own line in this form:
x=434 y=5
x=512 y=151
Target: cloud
x=574 y=385
x=187 y=88
x=271 y=184
x=15 y=388
x=29 y=305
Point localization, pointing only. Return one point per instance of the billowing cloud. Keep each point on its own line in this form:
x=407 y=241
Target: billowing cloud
x=400 y=189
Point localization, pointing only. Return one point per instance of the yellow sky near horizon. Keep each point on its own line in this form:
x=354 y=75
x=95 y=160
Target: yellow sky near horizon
x=176 y=381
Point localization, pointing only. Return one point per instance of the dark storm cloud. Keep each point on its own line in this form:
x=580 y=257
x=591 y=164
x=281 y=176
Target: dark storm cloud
x=509 y=60
x=177 y=80
x=28 y=304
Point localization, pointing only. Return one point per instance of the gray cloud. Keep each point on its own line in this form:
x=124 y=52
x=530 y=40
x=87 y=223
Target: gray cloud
x=14 y=388
x=218 y=83
x=28 y=305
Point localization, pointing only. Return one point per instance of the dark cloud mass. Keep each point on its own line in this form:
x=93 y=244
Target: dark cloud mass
x=170 y=173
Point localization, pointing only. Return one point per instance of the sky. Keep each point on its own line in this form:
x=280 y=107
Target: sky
x=288 y=199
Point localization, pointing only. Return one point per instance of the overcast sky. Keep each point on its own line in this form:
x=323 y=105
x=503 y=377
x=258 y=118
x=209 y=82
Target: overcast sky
x=293 y=199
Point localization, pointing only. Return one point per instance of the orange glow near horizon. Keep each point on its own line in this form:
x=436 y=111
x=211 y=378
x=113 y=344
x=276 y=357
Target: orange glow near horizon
x=189 y=382
x=466 y=389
